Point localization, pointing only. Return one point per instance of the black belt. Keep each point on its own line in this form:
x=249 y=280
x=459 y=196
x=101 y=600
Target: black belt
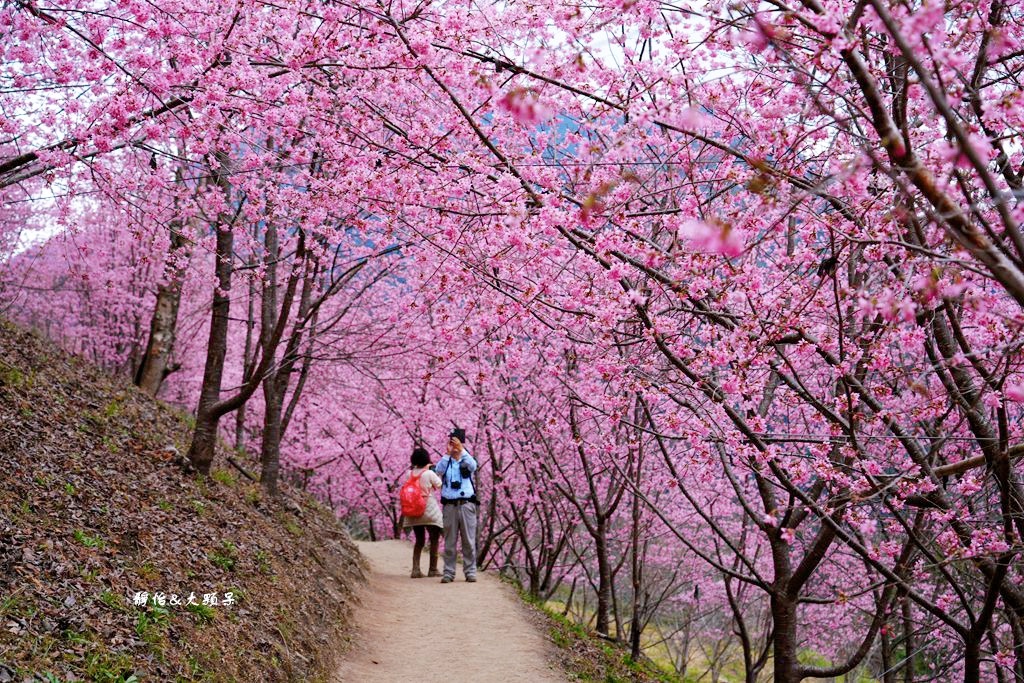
x=458 y=501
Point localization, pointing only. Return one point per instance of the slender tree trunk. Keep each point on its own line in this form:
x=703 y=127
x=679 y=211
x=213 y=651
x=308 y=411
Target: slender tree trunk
x=604 y=578
x=620 y=630
x=888 y=675
x=683 y=662
x=272 y=399
x=1017 y=631
x=636 y=621
x=275 y=386
x=270 y=453
x=484 y=546
x=204 y=438
x=993 y=644
x=163 y=325
x=247 y=359
x=909 y=644
x=211 y=406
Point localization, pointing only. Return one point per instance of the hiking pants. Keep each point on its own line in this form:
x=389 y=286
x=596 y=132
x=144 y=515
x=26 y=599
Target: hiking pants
x=460 y=521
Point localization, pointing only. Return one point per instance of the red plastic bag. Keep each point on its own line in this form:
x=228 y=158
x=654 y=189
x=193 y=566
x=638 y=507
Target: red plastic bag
x=414 y=503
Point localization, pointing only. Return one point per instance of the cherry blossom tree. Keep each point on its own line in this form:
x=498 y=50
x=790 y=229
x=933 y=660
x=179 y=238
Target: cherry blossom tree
x=748 y=276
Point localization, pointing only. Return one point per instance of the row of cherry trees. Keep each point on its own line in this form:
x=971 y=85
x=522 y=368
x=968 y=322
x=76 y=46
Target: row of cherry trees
x=729 y=296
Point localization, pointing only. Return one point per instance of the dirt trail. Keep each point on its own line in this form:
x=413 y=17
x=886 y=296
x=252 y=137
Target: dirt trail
x=420 y=630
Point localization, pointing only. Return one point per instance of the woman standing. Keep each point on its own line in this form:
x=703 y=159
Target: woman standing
x=430 y=522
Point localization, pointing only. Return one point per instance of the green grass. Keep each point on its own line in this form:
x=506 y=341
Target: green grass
x=195 y=672
x=151 y=622
x=253 y=495
x=203 y=485
x=223 y=477
x=13 y=377
x=108 y=667
x=94 y=663
x=237 y=593
x=201 y=614
x=93 y=418
x=87 y=540
x=225 y=557
x=103 y=673
x=10 y=605
x=262 y=561
x=113 y=409
x=75 y=638
x=112 y=600
x=148 y=571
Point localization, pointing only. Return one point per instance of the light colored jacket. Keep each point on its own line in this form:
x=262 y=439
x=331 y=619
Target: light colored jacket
x=430 y=483
x=454 y=485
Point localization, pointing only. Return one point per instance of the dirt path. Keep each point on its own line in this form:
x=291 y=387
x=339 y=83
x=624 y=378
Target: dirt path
x=455 y=632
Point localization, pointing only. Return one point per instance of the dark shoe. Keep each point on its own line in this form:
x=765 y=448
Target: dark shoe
x=433 y=573
x=416 y=574
x=446 y=579
x=471 y=579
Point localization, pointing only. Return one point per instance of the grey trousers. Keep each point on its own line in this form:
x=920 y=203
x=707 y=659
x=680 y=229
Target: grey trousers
x=460 y=521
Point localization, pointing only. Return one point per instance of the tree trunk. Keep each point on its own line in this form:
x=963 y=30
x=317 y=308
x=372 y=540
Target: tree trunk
x=972 y=660
x=604 y=578
x=484 y=546
x=163 y=325
x=888 y=675
x=636 y=622
x=909 y=644
x=635 y=631
x=204 y=438
x=784 y=646
x=1017 y=630
x=211 y=406
x=270 y=451
x=272 y=400
x=247 y=360
x=275 y=386
x=568 y=600
x=637 y=569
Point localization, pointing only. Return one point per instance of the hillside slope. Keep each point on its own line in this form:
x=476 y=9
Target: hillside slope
x=93 y=511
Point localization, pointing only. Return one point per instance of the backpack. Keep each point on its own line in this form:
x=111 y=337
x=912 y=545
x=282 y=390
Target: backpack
x=414 y=503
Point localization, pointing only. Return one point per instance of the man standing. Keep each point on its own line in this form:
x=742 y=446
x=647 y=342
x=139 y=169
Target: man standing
x=459 y=503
